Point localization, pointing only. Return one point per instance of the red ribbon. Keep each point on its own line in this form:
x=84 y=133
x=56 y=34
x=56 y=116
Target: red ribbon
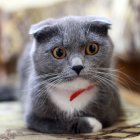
x=80 y=91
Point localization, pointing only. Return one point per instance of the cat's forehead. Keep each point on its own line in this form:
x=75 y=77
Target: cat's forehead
x=68 y=25
x=72 y=29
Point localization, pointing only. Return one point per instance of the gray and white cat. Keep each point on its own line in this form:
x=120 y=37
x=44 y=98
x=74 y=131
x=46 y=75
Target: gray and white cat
x=69 y=54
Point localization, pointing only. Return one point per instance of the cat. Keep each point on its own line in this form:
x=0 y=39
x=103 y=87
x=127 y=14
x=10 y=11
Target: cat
x=69 y=54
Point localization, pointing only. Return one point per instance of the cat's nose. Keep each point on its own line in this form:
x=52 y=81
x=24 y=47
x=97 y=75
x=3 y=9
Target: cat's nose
x=77 y=68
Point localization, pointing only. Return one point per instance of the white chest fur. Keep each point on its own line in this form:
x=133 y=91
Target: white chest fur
x=61 y=95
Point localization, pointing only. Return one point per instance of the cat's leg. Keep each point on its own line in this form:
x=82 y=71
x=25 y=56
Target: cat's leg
x=75 y=125
x=50 y=126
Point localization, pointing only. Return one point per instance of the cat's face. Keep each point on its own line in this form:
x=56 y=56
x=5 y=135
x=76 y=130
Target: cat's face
x=71 y=47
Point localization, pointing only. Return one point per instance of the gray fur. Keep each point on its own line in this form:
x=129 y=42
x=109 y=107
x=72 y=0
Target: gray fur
x=73 y=33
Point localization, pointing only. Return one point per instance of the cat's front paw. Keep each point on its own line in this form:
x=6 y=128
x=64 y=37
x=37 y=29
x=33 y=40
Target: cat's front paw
x=94 y=123
x=86 y=125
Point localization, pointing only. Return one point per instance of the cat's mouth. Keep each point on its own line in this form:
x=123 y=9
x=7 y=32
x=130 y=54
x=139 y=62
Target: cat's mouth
x=71 y=78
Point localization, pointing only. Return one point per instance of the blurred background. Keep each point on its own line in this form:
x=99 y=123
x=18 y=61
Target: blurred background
x=17 y=16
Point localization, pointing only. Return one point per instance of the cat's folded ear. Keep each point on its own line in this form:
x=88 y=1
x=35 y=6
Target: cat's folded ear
x=99 y=25
x=41 y=30
x=40 y=26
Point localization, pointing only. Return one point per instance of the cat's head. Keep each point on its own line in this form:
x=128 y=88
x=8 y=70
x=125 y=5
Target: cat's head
x=72 y=46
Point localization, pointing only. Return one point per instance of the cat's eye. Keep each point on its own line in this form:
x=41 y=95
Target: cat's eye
x=59 y=52
x=92 y=49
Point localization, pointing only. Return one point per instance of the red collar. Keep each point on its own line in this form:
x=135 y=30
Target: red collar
x=80 y=91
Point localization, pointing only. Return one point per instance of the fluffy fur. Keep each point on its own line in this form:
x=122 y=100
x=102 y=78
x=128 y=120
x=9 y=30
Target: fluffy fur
x=46 y=82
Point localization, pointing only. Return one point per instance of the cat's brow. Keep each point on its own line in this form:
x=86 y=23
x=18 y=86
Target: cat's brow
x=53 y=42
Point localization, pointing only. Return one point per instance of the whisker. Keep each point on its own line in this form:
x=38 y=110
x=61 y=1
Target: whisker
x=39 y=84
x=105 y=79
x=118 y=78
x=118 y=71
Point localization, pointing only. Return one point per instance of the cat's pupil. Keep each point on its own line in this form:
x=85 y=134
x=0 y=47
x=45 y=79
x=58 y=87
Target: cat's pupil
x=59 y=52
x=92 y=48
